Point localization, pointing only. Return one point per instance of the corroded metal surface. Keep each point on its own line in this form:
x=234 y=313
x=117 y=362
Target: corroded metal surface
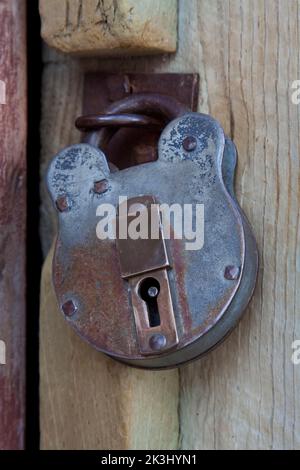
x=104 y=91
x=207 y=298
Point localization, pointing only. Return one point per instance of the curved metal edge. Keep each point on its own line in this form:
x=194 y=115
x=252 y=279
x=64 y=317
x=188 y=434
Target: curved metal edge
x=219 y=332
x=226 y=160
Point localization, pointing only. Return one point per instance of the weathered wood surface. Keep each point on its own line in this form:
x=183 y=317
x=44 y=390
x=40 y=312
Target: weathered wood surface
x=110 y=27
x=245 y=394
x=12 y=222
x=89 y=401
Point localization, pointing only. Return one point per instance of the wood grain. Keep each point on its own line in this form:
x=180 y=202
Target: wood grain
x=110 y=27
x=245 y=394
x=12 y=222
x=89 y=401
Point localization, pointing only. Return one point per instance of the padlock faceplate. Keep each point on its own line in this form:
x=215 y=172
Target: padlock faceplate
x=206 y=304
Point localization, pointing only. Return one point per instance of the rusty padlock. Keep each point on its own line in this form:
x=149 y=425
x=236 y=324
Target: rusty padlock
x=148 y=298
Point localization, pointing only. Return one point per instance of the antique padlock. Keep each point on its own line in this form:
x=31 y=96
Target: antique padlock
x=154 y=264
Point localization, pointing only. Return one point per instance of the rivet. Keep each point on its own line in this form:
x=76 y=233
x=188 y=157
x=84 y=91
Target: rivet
x=101 y=187
x=62 y=203
x=157 y=342
x=232 y=273
x=189 y=143
x=69 y=308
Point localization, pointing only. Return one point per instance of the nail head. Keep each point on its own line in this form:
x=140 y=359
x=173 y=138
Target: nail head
x=157 y=342
x=101 y=187
x=189 y=143
x=232 y=272
x=69 y=308
x=62 y=203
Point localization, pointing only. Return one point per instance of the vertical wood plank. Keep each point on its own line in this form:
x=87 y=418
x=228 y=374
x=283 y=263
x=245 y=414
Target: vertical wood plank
x=12 y=222
x=89 y=401
x=244 y=395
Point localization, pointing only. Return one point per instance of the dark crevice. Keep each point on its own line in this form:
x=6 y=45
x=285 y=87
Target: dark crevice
x=34 y=254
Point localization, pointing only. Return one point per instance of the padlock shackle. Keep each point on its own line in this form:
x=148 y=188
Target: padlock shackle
x=95 y=122
x=152 y=105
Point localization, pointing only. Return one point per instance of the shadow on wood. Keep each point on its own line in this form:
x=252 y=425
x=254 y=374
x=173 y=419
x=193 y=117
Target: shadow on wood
x=89 y=401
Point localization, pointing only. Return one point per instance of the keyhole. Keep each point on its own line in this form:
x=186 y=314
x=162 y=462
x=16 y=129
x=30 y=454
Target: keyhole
x=149 y=291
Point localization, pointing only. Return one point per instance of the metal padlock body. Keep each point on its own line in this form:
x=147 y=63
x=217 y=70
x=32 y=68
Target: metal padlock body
x=86 y=271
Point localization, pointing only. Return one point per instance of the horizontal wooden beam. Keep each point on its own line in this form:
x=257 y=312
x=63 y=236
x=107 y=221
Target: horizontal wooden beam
x=109 y=28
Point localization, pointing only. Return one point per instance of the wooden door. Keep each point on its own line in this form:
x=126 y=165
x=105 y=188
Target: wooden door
x=244 y=395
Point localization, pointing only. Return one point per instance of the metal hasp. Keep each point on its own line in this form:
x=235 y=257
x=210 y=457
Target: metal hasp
x=152 y=303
